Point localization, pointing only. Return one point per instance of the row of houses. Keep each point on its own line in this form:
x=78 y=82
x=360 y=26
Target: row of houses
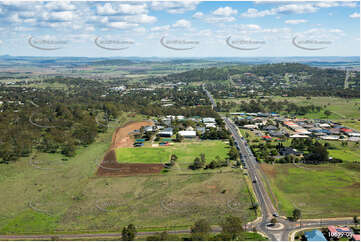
x=328 y=131
x=299 y=128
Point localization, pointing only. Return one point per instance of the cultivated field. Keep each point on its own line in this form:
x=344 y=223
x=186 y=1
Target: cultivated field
x=320 y=191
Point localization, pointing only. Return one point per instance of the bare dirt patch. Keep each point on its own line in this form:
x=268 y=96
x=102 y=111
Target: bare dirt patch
x=121 y=139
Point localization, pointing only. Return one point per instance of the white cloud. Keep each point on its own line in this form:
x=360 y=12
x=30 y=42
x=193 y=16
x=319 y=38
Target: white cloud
x=182 y=23
x=253 y=13
x=160 y=28
x=251 y=26
x=15 y=18
x=121 y=25
x=140 y=30
x=296 y=21
x=296 y=8
x=142 y=19
x=132 y=9
x=175 y=7
x=64 y=16
x=198 y=15
x=354 y=15
x=284 y=9
x=213 y=19
x=107 y=9
x=89 y=28
x=224 y=11
x=60 y=6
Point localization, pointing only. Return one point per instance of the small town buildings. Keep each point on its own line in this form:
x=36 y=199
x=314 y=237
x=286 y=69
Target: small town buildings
x=324 y=126
x=209 y=120
x=266 y=137
x=276 y=133
x=315 y=235
x=187 y=134
x=167 y=132
x=190 y=128
x=270 y=127
x=211 y=125
x=149 y=129
x=298 y=136
x=250 y=126
x=289 y=151
x=330 y=137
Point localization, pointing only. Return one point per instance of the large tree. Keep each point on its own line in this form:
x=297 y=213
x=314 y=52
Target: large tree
x=129 y=232
x=201 y=230
x=232 y=227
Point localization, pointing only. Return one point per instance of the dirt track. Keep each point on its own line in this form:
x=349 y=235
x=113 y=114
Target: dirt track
x=122 y=139
x=121 y=136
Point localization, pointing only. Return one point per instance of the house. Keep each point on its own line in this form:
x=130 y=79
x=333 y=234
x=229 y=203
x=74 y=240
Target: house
x=346 y=130
x=315 y=235
x=289 y=151
x=187 y=134
x=298 y=136
x=330 y=137
x=334 y=131
x=167 y=132
x=275 y=133
x=190 y=128
x=270 y=127
x=211 y=125
x=324 y=126
x=148 y=129
x=339 y=232
x=209 y=120
x=250 y=126
x=266 y=137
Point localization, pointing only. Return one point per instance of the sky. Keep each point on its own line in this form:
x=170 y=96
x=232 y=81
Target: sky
x=179 y=28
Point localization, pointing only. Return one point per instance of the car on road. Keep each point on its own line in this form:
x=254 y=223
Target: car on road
x=275 y=215
x=254 y=181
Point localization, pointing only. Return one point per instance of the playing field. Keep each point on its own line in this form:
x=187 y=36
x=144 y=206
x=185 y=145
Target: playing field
x=142 y=155
x=186 y=152
x=320 y=191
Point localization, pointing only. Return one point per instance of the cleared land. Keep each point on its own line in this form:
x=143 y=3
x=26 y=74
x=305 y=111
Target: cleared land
x=320 y=191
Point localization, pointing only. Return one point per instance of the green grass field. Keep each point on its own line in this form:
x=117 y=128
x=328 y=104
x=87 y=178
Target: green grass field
x=142 y=155
x=348 y=153
x=320 y=191
x=186 y=152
